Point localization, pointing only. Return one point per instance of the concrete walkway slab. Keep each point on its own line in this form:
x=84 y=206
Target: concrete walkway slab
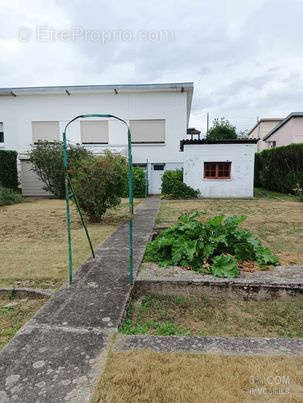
x=211 y=345
x=54 y=357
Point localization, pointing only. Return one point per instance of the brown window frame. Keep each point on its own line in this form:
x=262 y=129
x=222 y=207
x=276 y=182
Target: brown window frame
x=215 y=167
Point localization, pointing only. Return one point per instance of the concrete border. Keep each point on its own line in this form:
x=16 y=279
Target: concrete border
x=226 y=288
x=210 y=345
x=26 y=292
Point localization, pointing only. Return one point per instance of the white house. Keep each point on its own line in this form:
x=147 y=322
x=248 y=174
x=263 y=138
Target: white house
x=158 y=116
x=220 y=169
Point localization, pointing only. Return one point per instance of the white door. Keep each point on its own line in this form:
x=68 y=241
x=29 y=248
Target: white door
x=156 y=178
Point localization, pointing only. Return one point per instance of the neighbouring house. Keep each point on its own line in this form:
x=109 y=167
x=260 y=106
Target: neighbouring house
x=288 y=131
x=158 y=115
x=261 y=129
x=219 y=169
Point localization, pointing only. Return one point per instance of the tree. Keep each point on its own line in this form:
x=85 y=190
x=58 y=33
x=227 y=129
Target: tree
x=47 y=160
x=222 y=129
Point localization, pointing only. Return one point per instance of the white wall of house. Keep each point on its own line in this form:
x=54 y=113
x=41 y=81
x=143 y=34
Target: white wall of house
x=241 y=179
x=171 y=106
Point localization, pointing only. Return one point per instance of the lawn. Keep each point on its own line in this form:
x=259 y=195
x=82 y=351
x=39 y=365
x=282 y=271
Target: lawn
x=14 y=313
x=33 y=242
x=204 y=316
x=275 y=218
x=167 y=377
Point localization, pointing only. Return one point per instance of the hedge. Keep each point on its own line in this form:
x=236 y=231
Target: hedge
x=173 y=186
x=280 y=169
x=8 y=169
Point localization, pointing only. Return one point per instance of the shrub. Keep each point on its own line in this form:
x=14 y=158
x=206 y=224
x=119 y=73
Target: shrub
x=98 y=183
x=8 y=169
x=280 y=169
x=139 y=182
x=214 y=246
x=9 y=196
x=173 y=186
x=47 y=160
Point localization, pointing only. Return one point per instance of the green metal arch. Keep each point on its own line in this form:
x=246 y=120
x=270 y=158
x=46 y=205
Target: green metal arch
x=69 y=193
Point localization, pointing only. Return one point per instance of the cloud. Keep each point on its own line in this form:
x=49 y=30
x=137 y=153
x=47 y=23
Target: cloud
x=244 y=57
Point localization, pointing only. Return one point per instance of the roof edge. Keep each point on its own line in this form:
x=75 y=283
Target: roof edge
x=264 y=120
x=206 y=142
x=116 y=88
x=279 y=125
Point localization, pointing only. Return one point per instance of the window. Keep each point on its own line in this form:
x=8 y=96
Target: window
x=45 y=131
x=1 y=133
x=159 y=167
x=94 y=131
x=217 y=170
x=147 y=131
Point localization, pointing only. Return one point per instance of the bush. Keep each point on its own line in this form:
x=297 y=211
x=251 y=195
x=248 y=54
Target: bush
x=212 y=247
x=280 y=169
x=8 y=169
x=173 y=186
x=47 y=160
x=98 y=183
x=139 y=182
x=9 y=196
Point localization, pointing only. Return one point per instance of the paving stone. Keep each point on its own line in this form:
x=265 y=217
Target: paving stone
x=51 y=365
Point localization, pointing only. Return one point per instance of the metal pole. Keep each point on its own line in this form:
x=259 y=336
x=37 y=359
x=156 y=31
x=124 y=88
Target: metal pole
x=131 y=207
x=73 y=194
x=207 y=123
x=146 y=179
x=67 y=196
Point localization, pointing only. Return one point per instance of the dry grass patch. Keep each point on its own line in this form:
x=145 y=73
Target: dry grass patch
x=277 y=222
x=203 y=316
x=33 y=241
x=166 y=377
x=14 y=313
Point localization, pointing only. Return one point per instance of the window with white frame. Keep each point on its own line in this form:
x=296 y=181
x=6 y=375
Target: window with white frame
x=94 y=131
x=150 y=131
x=1 y=133
x=45 y=131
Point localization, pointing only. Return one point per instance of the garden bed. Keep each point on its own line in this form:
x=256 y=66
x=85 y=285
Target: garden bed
x=276 y=219
x=163 y=315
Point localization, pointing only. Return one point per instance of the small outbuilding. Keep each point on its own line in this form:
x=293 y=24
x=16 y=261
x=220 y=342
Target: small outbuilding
x=220 y=168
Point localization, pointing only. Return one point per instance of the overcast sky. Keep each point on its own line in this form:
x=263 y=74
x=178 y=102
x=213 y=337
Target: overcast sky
x=244 y=57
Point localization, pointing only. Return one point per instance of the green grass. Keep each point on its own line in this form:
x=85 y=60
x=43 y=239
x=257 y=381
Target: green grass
x=14 y=312
x=135 y=322
x=203 y=316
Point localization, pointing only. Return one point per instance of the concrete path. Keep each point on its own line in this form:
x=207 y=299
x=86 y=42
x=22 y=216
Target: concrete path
x=57 y=356
x=211 y=345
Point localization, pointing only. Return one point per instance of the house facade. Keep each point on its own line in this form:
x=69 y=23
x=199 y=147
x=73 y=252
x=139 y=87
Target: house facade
x=157 y=114
x=219 y=169
x=288 y=131
x=261 y=129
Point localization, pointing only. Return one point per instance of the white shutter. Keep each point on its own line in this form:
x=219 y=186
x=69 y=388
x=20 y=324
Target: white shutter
x=94 y=131
x=148 y=131
x=45 y=131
